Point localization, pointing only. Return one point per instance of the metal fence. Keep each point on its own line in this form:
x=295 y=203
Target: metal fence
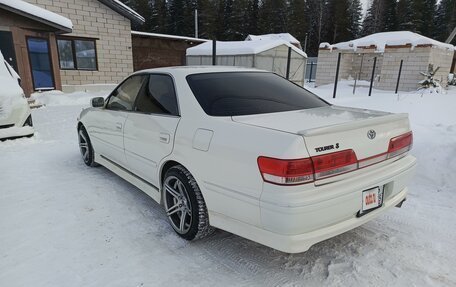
x=311 y=69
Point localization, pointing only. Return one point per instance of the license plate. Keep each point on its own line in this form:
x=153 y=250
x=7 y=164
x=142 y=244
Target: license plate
x=372 y=198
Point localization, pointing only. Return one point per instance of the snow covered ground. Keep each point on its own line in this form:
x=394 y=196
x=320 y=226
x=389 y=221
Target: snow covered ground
x=64 y=224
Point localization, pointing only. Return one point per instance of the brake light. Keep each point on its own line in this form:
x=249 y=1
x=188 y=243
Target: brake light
x=334 y=163
x=400 y=144
x=286 y=172
x=299 y=171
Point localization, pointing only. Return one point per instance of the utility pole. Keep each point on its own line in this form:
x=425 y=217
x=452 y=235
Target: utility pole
x=196 y=23
x=305 y=44
x=451 y=37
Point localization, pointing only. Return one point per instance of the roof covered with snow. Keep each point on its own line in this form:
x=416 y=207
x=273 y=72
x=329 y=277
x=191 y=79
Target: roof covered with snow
x=240 y=47
x=124 y=10
x=174 y=37
x=38 y=14
x=380 y=40
x=281 y=36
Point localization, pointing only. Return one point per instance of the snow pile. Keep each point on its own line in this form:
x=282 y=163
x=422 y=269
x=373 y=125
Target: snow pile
x=240 y=47
x=35 y=11
x=281 y=36
x=380 y=40
x=58 y=98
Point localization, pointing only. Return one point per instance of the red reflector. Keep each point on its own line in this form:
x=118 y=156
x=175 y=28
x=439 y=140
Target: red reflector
x=334 y=163
x=280 y=171
x=400 y=144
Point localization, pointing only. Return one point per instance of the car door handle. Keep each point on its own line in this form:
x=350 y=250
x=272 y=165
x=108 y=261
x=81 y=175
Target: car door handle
x=164 y=137
x=119 y=126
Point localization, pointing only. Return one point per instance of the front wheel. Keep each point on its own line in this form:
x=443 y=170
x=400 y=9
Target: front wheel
x=184 y=204
x=85 y=146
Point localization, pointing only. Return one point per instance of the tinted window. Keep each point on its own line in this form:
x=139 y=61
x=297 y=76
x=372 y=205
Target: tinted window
x=124 y=96
x=247 y=93
x=158 y=96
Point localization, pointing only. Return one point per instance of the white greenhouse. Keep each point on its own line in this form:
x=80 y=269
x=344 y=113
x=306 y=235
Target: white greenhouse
x=270 y=55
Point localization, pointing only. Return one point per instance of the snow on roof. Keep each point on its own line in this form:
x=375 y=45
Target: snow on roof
x=281 y=36
x=168 y=36
x=124 y=10
x=37 y=13
x=240 y=47
x=380 y=40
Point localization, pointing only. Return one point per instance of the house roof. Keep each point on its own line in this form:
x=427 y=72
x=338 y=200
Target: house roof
x=174 y=37
x=39 y=14
x=381 y=40
x=240 y=47
x=124 y=10
x=281 y=36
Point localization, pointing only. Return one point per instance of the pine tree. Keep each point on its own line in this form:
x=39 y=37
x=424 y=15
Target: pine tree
x=338 y=27
x=297 y=19
x=445 y=20
x=405 y=15
x=159 y=16
x=417 y=16
x=390 y=20
x=253 y=12
x=273 y=16
x=355 y=12
x=315 y=11
x=374 y=21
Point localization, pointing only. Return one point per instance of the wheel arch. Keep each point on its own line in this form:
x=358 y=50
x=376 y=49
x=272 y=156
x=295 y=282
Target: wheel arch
x=165 y=166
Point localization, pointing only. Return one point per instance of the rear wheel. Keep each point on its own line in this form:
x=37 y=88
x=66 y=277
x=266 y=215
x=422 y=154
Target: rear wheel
x=184 y=204
x=86 y=147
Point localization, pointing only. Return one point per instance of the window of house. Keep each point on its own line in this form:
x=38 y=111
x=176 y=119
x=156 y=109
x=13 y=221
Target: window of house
x=77 y=54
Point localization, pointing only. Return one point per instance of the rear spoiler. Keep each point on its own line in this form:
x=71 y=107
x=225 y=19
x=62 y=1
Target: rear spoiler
x=354 y=125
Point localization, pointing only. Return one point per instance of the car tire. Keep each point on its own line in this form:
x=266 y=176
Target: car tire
x=85 y=146
x=29 y=121
x=182 y=198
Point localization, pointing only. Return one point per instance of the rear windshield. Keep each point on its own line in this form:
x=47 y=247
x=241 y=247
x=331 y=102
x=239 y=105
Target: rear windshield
x=249 y=93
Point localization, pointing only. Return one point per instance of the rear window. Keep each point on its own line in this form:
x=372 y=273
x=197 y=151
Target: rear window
x=249 y=93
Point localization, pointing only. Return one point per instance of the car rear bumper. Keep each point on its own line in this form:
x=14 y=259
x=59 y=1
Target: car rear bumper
x=16 y=132
x=299 y=221
x=296 y=219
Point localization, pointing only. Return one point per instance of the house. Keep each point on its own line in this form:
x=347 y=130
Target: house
x=153 y=50
x=67 y=44
x=417 y=53
x=266 y=54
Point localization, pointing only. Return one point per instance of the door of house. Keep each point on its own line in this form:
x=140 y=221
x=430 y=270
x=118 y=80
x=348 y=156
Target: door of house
x=7 y=48
x=40 y=63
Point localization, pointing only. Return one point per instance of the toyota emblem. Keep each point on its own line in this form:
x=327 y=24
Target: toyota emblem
x=371 y=134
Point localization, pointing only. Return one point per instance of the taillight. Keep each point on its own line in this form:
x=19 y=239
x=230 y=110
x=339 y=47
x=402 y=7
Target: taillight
x=400 y=144
x=299 y=171
x=334 y=163
x=286 y=172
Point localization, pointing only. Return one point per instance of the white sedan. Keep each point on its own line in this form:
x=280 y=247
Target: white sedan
x=249 y=152
x=15 y=115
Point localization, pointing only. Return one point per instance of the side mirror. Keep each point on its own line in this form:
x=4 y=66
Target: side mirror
x=97 y=102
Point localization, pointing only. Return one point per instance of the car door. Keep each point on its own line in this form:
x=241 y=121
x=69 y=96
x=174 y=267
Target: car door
x=150 y=128
x=107 y=126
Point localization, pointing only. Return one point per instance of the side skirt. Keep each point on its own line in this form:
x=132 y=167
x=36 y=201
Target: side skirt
x=140 y=183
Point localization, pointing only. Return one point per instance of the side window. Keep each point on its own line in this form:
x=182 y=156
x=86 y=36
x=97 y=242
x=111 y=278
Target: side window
x=124 y=96
x=158 y=96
